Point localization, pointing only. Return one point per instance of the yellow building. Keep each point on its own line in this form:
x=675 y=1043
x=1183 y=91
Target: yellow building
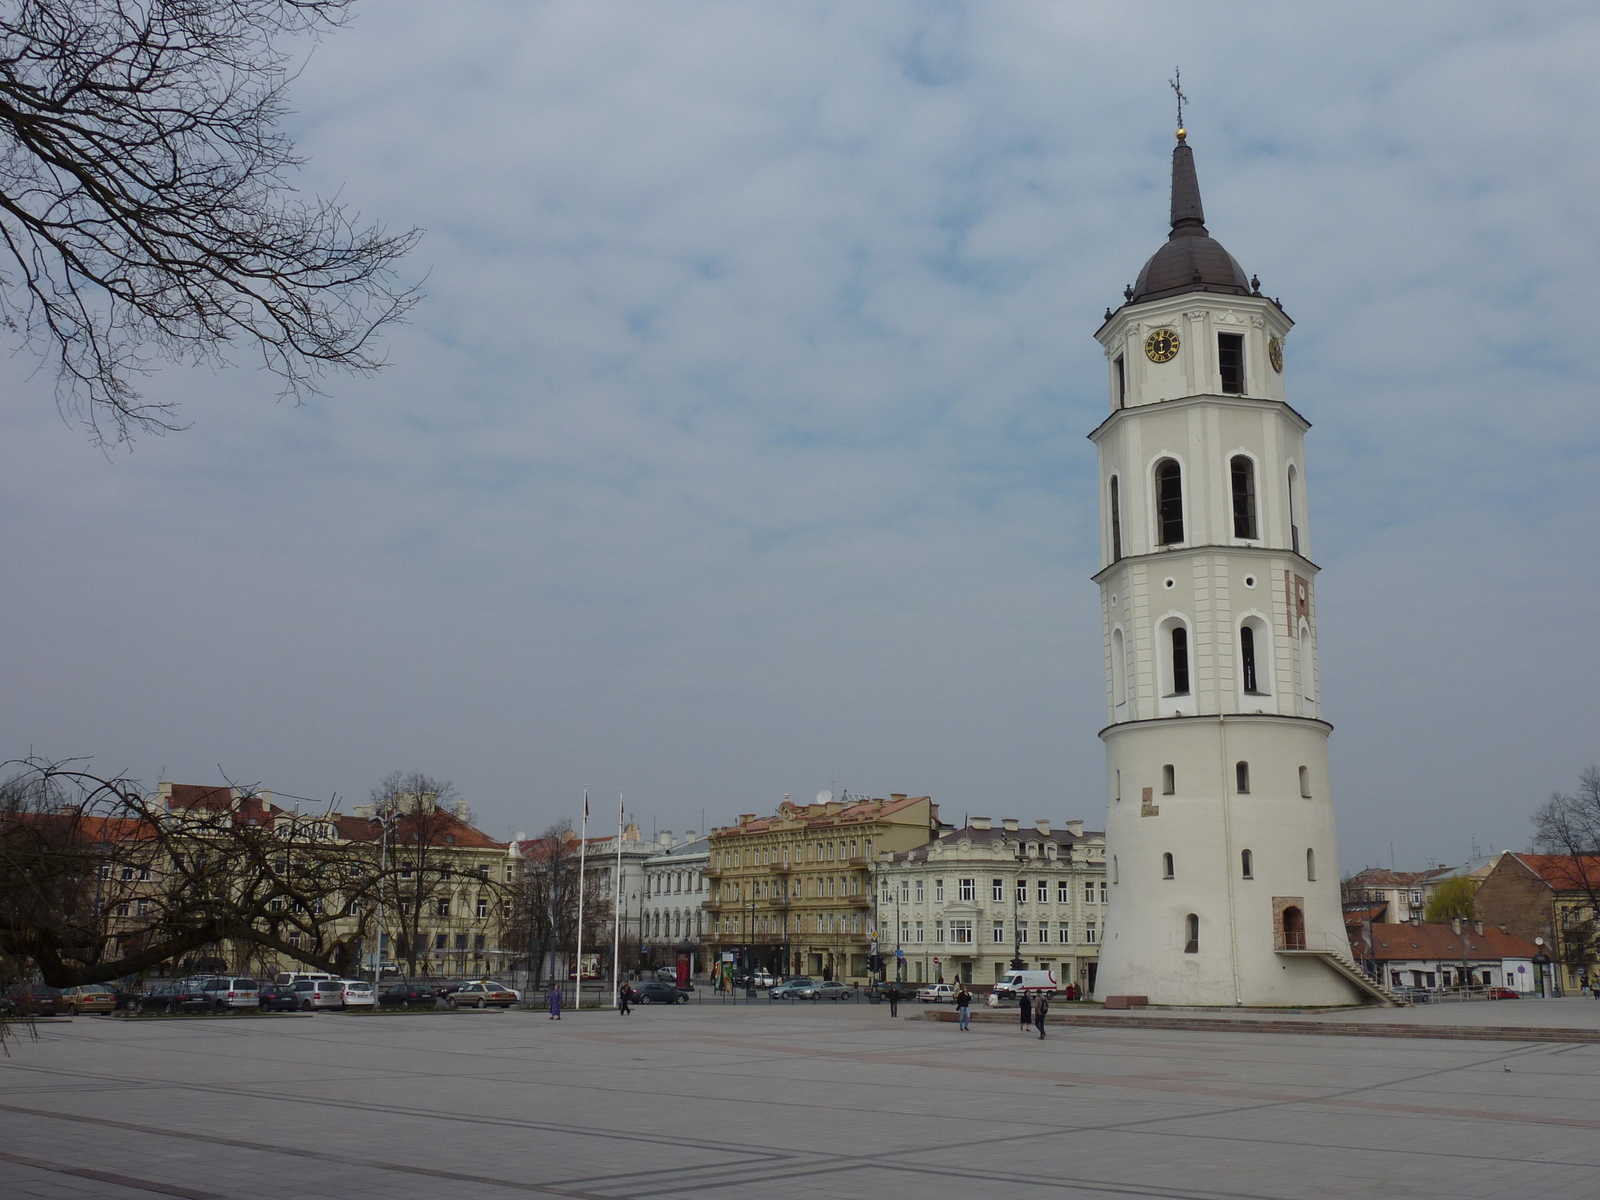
x=792 y=893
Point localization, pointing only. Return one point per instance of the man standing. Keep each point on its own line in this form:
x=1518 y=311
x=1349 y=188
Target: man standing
x=1025 y=1008
x=624 y=1000
x=1040 y=1007
x=963 y=1007
x=894 y=1000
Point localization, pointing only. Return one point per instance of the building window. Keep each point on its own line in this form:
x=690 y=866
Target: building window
x=1311 y=865
x=442 y=908
x=961 y=932
x=968 y=889
x=1022 y=932
x=1116 y=519
x=1022 y=891
x=1169 y=780
x=1088 y=891
x=1243 y=473
x=483 y=906
x=505 y=909
x=938 y=930
x=919 y=891
x=1191 y=928
x=998 y=933
x=905 y=891
x=1119 y=669
x=439 y=942
x=1294 y=529
x=1122 y=382
x=1089 y=933
x=1241 y=778
x=1247 y=653
x=1064 y=933
x=1305 y=784
x=938 y=890
x=1230 y=361
x=919 y=931
x=479 y=942
x=127 y=873
x=1180 y=661
x=905 y=931
x=1063 y=891
x=1167 y=871
x=998 y=890
x=1043 y=891
x=1169 y=502
x=1102 y=891
x=461 y=941
x=1247 y=864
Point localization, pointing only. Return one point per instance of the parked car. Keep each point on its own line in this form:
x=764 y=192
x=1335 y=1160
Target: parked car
x=667 y=974
x=231 y=991
x=937 y=993
x=760 y=979
x=657 y=992
x=88 y=998
x=174 y=996
x=791 y=986
x=273 y=998
x=358 y=993
x=35 y=1000
x=319 y=993
x=830 y=990
x=504 y=987
x=290 y=978
x=484 y=995
x=1502 y=994
x=408 y=995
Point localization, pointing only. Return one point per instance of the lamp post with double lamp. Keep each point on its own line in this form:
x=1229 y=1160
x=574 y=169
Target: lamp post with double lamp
x=385 y=821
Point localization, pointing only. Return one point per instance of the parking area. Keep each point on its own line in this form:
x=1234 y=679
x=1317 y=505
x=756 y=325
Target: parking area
x=780 y=1100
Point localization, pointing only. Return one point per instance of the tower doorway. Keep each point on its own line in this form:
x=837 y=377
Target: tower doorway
x=1294 y=929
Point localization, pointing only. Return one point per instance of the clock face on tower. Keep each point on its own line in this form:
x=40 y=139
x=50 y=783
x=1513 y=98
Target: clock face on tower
x=1275 y=353
x=1162 y=345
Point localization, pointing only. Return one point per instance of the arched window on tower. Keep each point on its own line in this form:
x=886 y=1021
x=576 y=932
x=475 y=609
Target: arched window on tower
x=1169 y=502
x=1311 y=865
x=1243 y=473
x=1166 y=866
x=1294 y=528
x=1247 y=656
x=1180 y=661
x=1116 y=519
x=1119 y=671
x=1247 y=864
x=1191 y=928
x=1241 y=778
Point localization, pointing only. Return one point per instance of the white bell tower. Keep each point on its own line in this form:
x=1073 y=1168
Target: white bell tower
x=1222 y=855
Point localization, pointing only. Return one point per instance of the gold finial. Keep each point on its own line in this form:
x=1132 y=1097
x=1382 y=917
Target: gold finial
x=1175 y=84
x=1183 y=134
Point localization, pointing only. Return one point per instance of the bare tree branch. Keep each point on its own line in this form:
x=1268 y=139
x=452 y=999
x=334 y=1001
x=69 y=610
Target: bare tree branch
x=145 y=211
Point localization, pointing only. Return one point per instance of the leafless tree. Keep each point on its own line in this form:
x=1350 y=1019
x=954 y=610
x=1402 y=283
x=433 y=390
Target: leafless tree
x=1569 y=825
x=545 y=911
x=420 y=809
x=145 y=208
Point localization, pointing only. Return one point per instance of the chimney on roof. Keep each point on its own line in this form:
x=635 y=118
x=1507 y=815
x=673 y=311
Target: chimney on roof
x=362 y=810
x=979 y=822
x=1043 y=825
x=462 y=812
x=1417 y=921
x=666 y=839
x=1502 y=929
x=897 y=795
x=1075 y=828
x=1478 y=927
x=1009 y=824
x=1455 y=926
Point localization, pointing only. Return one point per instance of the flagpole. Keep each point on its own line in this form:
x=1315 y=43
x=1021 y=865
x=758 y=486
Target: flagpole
x=616 y=919
x=583 y=847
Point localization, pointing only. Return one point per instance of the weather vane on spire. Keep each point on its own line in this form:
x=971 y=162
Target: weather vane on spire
x=1175 y=83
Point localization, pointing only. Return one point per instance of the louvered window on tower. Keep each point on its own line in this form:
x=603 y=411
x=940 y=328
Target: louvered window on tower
x=1244 y=496
x=1230 y=360
x=1116 y=520
x=1180 y=661
x=1169 y=502
x=1122 y=382
x=1247 y=652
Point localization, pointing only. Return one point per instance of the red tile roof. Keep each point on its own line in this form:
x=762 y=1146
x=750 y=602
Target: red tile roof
x=1442 y=942
x=1564 y=872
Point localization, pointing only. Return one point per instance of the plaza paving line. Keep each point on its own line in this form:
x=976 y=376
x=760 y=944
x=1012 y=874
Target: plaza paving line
x=121 y=1181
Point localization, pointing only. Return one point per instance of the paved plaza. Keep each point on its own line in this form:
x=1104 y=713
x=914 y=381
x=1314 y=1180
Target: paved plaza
x=778 y=1102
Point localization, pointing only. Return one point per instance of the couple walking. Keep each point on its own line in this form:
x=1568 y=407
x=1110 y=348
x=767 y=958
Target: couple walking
x=1033 y=1009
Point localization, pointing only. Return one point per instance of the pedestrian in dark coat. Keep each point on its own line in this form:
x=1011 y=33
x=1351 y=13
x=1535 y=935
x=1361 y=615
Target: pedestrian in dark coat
x=624 y=1000
x=894 y=1001
x=963 y=1008
x=1040 y=1007
x=556 y=997
x=1025 y=1006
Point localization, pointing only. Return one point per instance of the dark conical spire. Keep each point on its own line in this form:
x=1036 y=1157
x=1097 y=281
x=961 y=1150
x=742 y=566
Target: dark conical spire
x=1187 y=215
x=1192 y=260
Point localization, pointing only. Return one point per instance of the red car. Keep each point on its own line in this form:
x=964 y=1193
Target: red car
x=1503 y=994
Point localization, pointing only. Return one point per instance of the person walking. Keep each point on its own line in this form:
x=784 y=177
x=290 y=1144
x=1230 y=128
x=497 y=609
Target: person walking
x=1025 y=1009
x=624 y=1000
x=894 y=1000
x=556 y=997
x=963 y=1008
x=1040 y=1007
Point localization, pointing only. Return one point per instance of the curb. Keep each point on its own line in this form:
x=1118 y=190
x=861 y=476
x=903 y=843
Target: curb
x=1469 y=1033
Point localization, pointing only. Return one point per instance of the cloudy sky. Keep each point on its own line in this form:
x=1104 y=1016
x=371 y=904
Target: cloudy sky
x=738 y=447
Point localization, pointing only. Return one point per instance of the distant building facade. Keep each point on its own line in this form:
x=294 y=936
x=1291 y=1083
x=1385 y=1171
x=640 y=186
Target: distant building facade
x=972 y=900
x=1550 y=898
x=673 y=913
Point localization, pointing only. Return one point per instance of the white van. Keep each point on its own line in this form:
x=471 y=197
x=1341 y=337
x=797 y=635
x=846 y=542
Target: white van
x=287 y=979
x=1013 y=983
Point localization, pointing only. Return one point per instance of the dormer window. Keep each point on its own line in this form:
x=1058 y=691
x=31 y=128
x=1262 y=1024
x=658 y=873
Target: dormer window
x=1230 y=361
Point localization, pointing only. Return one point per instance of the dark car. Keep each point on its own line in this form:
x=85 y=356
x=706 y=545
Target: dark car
x=271 y=997
x=174 y=996
x=408 y=995
x=660 y=993
x=34 y=1000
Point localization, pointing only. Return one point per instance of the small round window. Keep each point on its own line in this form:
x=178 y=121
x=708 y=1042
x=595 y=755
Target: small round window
x=1113 y=599
x=1249 y=581
x=1171 y=583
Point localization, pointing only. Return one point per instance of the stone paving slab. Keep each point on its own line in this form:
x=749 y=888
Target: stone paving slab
x=841 y=1101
